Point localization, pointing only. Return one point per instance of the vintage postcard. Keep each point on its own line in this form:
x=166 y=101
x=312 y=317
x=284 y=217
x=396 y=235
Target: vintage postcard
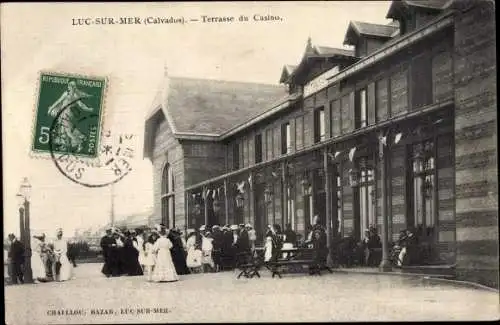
x=214 y=162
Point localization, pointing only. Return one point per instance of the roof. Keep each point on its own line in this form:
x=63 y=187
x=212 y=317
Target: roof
x=207 y=107
x=286 y=72
x=396 y=6
x=321 y=52
x=357 y=28
x=331 y=51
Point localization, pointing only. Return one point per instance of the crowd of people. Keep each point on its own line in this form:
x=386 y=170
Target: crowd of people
x=162 y=254
x=49 y=259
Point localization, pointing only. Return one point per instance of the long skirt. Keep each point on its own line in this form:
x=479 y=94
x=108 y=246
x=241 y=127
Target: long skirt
x=62 y=270
x=37 y=266
x=164 y=270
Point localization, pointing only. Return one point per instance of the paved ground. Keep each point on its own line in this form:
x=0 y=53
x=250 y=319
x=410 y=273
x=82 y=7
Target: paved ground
x=220 y=297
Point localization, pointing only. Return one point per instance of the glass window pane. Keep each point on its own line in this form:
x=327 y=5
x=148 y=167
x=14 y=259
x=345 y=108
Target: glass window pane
x=322 y=132
x=363 y=107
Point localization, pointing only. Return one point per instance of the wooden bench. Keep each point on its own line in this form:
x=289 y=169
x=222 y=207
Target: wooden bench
x=301 y=257
x=248 y=264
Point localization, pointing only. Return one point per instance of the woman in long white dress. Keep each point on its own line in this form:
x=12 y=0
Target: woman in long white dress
x=164 y=270
x=60 y=246
x=37 y=266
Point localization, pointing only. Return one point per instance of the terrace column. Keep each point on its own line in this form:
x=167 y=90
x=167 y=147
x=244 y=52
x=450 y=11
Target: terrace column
x=284 y=191
x=385 y=264
x=328 y=205
x=251 y=198
x=205 y=201
x=226 y=202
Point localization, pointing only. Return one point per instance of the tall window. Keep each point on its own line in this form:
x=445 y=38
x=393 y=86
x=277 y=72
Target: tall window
x=424 y=183
x=291 y=206
x=339 y=205
x=319 y=125
x=366 y=195
x=362 y=119
x=236 y=156
x=168 y=197
x=286 y=143
x=258 y=148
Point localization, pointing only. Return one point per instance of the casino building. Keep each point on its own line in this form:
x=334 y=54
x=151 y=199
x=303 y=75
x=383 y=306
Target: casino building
x=399 y=132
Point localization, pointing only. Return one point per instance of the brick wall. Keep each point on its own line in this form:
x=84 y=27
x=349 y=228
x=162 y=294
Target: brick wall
x=167 y=150
x=476 y=173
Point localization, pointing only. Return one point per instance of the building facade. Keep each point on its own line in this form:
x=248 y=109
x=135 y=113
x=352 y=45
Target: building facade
x=399 y=132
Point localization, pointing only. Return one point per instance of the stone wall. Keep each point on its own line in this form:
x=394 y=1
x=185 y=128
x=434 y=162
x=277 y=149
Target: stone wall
x=476 y=173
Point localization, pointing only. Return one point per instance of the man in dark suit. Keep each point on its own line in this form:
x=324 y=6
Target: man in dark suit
x=16 y=257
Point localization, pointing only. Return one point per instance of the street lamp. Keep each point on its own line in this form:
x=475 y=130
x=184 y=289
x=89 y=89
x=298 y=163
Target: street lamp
x=268 y=195
x=239 y=200
x=24 y=215
x=354 y=177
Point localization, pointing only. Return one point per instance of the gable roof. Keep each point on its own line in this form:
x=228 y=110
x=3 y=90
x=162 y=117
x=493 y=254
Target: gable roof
x=286 y=72
x=396 y=6
x=206 y=107
x=357 y=28
x=320 y=52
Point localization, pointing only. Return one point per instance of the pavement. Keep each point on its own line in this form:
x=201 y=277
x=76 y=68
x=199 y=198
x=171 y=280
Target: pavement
x=220 y=297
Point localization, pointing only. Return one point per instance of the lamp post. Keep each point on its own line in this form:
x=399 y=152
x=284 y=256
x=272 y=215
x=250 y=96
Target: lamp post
x=24 y=214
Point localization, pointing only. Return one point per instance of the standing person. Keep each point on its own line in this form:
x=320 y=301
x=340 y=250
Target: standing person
x=16 y=259
x=164 y=268
x=217 y=247
x=252 y=236
x=132 y=255
x=140 y=246
x=37 y=265
x=206 y=249
x=178 y=255
x=289 y=240
x=61 y=269
x=72 y=252
x=194 y=254
x=227 y=247
x=108 y=243
x=290 y=236
x=149 y=256
x=242 y=245
x=120 y=266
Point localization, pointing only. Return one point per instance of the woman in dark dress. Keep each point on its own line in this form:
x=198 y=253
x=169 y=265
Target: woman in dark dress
x=131 y=255
x=178 y=253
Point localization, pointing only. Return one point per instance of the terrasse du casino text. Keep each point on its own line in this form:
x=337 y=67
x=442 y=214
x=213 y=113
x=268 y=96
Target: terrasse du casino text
x=151 y=20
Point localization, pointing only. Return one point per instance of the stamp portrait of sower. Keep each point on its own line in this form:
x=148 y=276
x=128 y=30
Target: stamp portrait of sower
x=71 y=99
x=68 y=116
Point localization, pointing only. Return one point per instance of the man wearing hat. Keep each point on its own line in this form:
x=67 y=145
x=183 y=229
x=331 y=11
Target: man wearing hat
x=16 y=259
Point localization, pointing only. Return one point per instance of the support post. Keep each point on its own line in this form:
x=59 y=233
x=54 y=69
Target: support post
x=226 y=202
x=251 y=198
x=22 y=229
x=328 y=206
x=284 y=191
x=385 y=264
x=186 y=210
x=28 y=273
x=205 y=203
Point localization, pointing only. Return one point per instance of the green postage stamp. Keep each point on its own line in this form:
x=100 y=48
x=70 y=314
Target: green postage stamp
x=69 y=113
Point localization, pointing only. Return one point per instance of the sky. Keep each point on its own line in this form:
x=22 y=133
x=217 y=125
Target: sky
x=42 y=37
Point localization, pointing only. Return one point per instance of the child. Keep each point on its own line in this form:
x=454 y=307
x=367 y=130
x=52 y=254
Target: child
x=149 y=257
x=206 y=248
